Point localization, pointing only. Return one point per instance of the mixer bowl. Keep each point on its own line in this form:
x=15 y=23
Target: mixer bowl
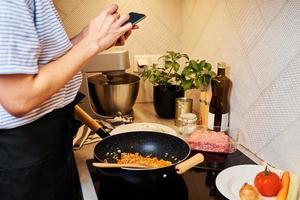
x=115 y=95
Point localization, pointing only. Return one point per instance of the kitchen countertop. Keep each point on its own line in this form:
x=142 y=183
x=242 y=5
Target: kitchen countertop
x=143 y=112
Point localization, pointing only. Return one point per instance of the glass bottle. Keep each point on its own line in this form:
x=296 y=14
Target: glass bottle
x=218 y=116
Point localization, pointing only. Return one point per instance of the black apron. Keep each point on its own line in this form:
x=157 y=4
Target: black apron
x=37 y=161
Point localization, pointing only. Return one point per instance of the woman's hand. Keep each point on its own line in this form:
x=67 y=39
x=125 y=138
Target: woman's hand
x=121 y=40
x=106 y=30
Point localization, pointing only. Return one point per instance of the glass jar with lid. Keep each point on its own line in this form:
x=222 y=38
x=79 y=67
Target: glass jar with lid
x=187 y=123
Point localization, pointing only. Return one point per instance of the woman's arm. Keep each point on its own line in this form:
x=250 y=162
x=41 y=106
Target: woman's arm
x=22 y=93
x=77 y=38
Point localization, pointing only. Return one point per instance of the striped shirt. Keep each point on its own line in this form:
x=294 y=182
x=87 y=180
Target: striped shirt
x=32 y=35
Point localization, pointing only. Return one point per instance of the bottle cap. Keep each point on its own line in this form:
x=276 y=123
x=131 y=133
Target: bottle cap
x=222 y=65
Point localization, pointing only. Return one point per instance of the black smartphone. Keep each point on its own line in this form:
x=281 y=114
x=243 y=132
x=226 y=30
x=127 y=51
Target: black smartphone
x=135 y=18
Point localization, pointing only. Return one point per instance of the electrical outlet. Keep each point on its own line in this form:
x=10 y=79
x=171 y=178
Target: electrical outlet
x=140 y=61
x=146 y=88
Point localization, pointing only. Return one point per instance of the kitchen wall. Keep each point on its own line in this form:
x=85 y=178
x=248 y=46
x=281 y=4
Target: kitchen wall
x=259 y=39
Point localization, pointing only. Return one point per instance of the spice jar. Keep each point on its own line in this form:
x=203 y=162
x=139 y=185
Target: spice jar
x=187 y=123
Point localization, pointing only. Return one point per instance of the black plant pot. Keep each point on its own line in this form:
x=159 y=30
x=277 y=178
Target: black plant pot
x=164 y=100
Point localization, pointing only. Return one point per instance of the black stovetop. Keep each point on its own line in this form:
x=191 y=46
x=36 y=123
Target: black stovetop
x=195 y=184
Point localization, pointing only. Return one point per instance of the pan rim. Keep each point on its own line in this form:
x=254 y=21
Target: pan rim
x=133 y=169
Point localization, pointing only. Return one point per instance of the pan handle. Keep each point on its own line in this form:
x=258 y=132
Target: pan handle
x=189 y=163
x=90 y=122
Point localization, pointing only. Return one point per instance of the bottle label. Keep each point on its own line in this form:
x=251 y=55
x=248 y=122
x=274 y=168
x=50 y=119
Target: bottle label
x=220 y=121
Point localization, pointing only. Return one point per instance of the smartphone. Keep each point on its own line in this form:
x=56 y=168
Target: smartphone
x=135 y=18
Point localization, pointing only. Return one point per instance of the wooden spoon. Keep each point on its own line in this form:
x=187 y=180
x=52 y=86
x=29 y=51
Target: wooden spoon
x=115 y=165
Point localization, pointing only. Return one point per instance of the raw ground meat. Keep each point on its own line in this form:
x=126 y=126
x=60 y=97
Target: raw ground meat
x=210 y=141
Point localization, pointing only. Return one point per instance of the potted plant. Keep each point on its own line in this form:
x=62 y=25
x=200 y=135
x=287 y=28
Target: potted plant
x=170 y=81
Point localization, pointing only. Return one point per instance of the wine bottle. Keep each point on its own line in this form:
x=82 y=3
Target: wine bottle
x=219 y=107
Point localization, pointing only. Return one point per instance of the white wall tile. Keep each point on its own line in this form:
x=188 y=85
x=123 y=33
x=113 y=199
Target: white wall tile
x=195 y=19
x=270 y=8
x=277 y=46
x=168 y=12
x=283 y=151
x=248 y=20
x=276 y=108
x=66 y=10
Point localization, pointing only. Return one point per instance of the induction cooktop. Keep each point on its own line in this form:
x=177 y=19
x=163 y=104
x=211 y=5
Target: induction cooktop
x=196 y=184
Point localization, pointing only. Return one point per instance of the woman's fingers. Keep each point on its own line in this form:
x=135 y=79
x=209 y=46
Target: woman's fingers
x=116 y=16
x=127 y=34
x=122 y=20
x=121 y=41
x=111 y=9
x=135 y=26
x=106 y=27
x=125 y=28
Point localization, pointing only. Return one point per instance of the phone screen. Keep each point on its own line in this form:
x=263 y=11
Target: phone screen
x=134 y=17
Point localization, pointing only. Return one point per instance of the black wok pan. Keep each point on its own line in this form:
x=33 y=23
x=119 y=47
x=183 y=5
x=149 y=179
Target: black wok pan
x=160 y=145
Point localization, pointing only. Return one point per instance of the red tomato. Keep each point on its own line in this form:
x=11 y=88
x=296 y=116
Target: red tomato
x=268 y=183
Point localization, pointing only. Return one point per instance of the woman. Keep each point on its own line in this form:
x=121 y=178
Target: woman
x=39 y=79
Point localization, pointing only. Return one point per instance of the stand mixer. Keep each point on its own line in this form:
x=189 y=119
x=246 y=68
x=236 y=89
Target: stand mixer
x=110 y=91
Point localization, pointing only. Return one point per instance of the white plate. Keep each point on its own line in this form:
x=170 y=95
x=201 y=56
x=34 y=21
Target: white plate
x=143 y=127
x=230 y=180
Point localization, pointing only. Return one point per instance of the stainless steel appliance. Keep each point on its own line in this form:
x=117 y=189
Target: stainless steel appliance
x=110 y=91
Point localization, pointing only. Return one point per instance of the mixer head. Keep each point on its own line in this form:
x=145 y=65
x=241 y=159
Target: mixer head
x=112 y=62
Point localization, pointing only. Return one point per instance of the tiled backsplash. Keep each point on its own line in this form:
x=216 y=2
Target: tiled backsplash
x=259 y=39
x=261 y=42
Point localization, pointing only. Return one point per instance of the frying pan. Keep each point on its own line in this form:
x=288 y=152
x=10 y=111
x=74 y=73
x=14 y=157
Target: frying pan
x=160 y=145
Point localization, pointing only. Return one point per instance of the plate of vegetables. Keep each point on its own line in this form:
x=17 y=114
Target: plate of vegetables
x=257 y=182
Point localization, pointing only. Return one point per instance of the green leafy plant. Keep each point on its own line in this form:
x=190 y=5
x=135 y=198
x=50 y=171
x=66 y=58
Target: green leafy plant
x=168 y=73
x=195 y=74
